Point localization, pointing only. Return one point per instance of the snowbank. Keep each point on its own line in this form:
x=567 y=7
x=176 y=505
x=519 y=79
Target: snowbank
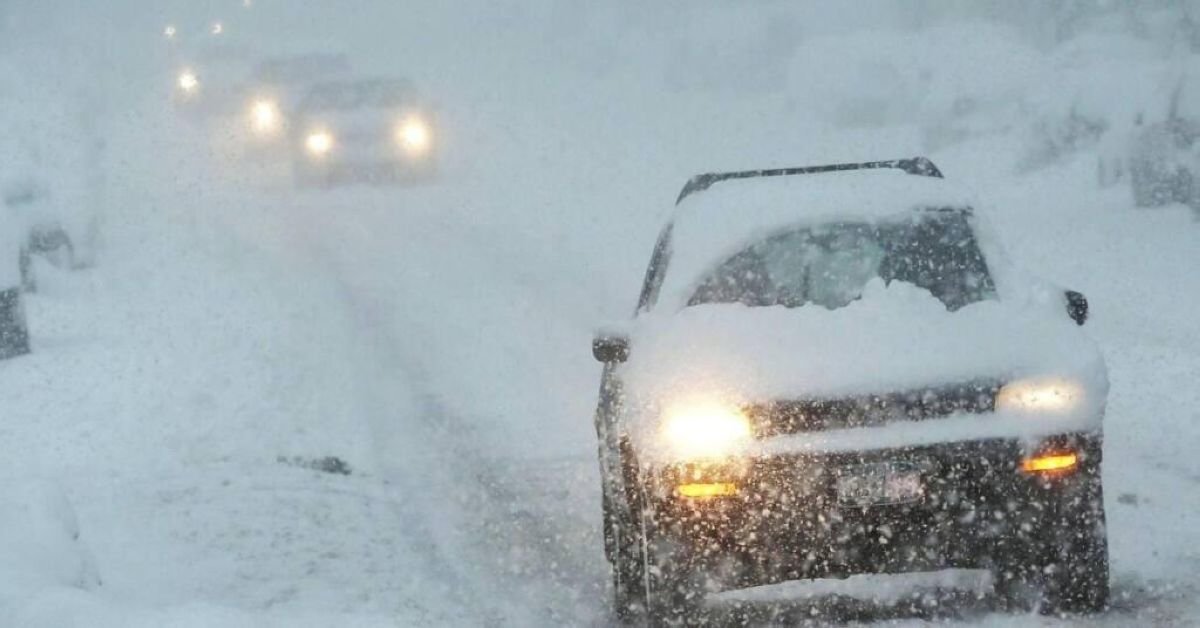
x=40 y=545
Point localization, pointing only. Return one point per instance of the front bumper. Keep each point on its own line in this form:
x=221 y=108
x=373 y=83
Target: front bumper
x=978 y=509
x=367 y=166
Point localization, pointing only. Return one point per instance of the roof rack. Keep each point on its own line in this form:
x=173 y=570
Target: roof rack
x=920 y=166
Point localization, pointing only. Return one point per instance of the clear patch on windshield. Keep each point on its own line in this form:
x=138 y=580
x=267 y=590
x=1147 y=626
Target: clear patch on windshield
x=829 y=265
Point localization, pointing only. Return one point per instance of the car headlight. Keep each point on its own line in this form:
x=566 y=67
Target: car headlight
x=188 y=82
x=413 y=134
x=704 y=430
x=1052 y=395
x=265 y=117
x=319 y=143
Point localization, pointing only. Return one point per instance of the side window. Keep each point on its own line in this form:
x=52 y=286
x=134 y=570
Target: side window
x=655 y=271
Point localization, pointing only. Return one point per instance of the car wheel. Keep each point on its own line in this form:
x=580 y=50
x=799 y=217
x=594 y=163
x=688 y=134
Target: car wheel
x=627 y=563
x=673 y=595
x=14 y=333
x=1077 y=558
x=1064 y=567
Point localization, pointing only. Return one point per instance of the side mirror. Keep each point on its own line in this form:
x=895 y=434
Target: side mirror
x=610 y=349
x=1077 y=306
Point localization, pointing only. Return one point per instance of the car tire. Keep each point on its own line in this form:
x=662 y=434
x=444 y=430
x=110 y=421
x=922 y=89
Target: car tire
x=14 y=332
x=1077 y=556
x=629 y=599
x=1064 y=568
x=672 y=595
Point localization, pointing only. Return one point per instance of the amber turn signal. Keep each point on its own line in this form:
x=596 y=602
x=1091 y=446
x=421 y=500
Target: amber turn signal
x=711 y=489
x=1050 y=462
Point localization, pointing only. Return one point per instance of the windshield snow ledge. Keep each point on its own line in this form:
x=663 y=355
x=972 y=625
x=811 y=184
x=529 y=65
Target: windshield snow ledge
x=952 y=429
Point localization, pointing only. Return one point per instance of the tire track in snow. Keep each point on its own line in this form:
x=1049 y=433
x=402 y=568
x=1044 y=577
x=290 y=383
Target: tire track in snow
x=491 y=541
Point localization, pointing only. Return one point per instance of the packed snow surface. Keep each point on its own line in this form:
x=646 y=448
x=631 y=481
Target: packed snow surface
x=197 y=396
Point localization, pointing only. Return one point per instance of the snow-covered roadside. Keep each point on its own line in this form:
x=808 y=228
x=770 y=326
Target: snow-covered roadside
x=165 y=388
x=436 y=339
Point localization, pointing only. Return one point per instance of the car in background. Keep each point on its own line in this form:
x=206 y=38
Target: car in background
x=1164 y=162
x=374 y=130
x=209 y=79
x=834 y=370
x=275 y=88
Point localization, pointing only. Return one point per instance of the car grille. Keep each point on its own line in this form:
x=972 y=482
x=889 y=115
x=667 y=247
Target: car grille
x=815 y=415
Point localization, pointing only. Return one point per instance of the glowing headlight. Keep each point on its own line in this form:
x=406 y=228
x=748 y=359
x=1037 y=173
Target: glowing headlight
x=319 y=143
x=265 y=117
x=705 y=430
x=188 y=82
x=413 y=135
x=1048 y=395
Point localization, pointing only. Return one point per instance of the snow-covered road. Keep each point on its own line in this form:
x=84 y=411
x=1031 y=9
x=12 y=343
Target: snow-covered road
x=238 y=332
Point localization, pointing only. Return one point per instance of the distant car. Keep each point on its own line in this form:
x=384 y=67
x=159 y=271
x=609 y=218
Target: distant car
x=275 y=88
x=191 y=31
x=832 y=371
x=14 y=331
x=1164 y=164
x=210 y=79
x=375 y=130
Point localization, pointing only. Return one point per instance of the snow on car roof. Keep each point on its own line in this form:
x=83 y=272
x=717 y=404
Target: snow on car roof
x=712 y=225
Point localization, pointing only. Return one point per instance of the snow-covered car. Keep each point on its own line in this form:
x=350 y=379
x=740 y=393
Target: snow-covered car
x=1164 y=162
x=275 y=88
x=835 y=370
x=364 y=130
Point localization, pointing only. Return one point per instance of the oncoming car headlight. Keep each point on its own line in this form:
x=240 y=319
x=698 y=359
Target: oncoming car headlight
x=704 y=430
x=188 y=82
x=319 y=143
x=265 y=116
x=413 y=134
x=1049 y=395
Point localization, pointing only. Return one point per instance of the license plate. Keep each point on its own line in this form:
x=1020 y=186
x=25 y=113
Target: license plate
x=879 y=484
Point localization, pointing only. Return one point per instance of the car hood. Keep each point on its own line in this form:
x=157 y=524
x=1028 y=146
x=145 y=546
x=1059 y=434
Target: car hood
x=897 y=338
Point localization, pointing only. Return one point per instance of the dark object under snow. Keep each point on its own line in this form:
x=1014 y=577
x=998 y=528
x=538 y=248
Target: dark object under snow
x=328 y=464
x=14 y=335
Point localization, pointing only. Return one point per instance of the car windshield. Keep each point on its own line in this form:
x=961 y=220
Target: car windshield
x=301 y=69
x=355 y=95
x=830 y=264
